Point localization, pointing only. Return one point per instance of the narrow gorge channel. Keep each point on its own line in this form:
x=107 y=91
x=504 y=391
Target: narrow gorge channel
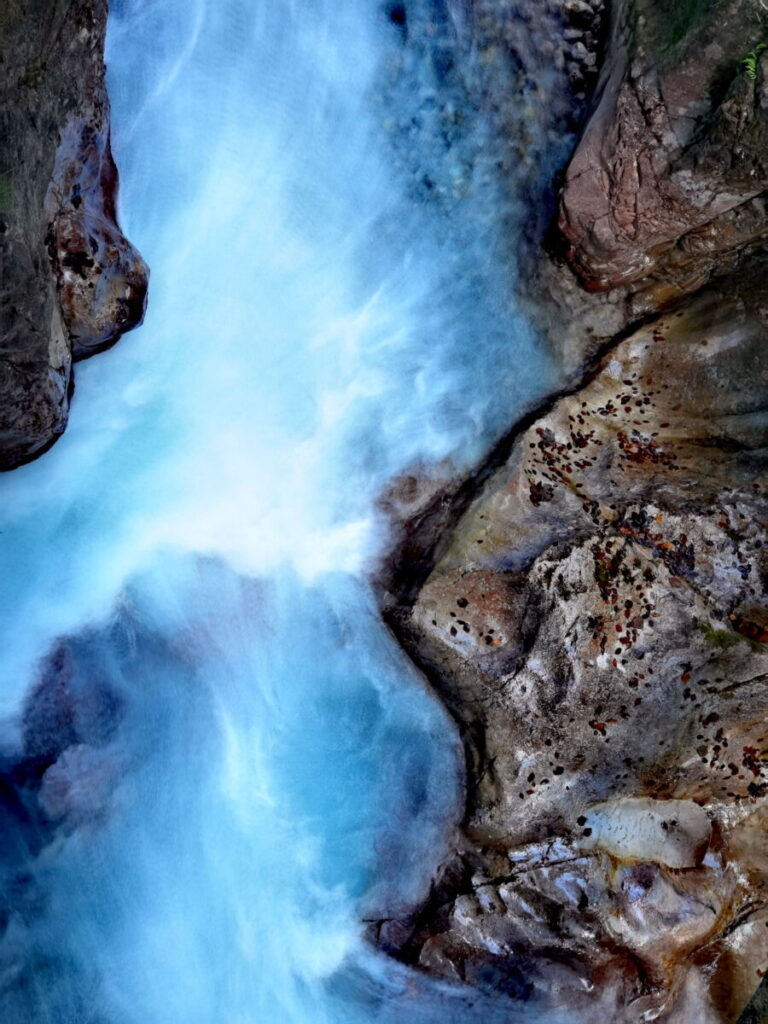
x=218 y=763
x=385 y=616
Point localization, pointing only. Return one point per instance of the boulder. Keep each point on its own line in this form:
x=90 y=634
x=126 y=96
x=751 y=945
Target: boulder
x=667 y=185
x=70 y=282
x=597 y=623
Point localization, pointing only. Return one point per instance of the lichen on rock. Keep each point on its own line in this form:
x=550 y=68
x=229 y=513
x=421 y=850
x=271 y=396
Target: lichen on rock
x=597 y=625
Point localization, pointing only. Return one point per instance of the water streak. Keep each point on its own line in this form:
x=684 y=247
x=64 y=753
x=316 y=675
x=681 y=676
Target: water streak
x=238 y=762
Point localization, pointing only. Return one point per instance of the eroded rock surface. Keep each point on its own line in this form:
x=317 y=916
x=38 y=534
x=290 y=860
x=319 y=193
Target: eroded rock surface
x=668 y=181
x=70 y=282
x=666 y=189
x=596 y=618
x=598 y=625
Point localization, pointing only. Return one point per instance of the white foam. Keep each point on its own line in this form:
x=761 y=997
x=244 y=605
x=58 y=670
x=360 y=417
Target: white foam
x=306 y=339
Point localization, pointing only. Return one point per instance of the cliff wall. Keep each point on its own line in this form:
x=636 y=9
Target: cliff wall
x=70 y=282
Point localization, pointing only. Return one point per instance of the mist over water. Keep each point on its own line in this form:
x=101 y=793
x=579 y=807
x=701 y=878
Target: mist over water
x=225 y=762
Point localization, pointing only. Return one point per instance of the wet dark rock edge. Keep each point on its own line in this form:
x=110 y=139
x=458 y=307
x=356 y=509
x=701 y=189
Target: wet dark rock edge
x=72 y=283
x=421 y=540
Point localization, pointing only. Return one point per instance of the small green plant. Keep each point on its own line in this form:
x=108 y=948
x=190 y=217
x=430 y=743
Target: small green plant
x=722 y=638
x=749 y=63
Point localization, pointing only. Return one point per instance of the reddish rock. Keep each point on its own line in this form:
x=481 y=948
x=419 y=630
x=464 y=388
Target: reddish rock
x=603 y=652
x=101 y=278
x=665 y=187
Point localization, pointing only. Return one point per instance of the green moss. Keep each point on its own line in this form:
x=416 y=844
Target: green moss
x=720 y=638
x=749 y=63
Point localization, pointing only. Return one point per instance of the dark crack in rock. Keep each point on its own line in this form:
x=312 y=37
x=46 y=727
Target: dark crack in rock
x=597 y=624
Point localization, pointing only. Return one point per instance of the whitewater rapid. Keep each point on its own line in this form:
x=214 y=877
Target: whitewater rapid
x=253 y=766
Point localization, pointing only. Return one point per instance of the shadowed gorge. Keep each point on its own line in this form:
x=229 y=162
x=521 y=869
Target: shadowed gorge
x=385 y=638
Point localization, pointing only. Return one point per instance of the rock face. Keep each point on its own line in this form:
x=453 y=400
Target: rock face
x=667 y=184
x=666 y=190
x=70 y=282
x=597 y=627
x=596 y=617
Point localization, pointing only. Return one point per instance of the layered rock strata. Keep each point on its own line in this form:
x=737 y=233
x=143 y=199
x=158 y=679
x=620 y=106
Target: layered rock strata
x=668 y=181
x=70 y=282
x=666 y=190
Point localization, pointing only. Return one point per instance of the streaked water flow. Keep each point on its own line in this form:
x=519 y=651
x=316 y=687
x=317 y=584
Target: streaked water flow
x=239 y=762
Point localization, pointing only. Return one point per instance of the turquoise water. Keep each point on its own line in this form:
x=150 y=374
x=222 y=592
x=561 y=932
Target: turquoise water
x=245 y=763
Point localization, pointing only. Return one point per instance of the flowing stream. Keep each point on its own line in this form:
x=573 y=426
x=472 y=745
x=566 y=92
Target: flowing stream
x=216 y=761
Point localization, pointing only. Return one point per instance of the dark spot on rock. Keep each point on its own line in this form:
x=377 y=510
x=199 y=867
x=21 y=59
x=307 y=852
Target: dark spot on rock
x=77 y=261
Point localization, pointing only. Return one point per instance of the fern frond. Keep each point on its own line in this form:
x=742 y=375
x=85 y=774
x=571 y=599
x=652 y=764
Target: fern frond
x=749 y=63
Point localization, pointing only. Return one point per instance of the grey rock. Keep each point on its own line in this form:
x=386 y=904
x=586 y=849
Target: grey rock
x=597 y=623
x=70 y=283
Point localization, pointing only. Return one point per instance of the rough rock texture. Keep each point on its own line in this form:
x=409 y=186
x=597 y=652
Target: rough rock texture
x=666 y=190
x=668 y=181
x=70 y=283
x=597 y=627
x=592 y=606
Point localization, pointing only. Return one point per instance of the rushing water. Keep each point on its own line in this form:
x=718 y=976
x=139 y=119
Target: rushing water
x=246 y=764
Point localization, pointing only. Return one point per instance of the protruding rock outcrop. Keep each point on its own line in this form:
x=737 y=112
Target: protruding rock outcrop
x=595 y=607
x=70 y=282
x=667 y=185
x=598 y=627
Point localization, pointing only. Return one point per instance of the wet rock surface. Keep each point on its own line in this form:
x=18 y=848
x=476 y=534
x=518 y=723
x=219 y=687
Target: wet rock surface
x=488 y=96
x=70 y=282
x=668 y=182
x=597 y=625
x=483 y=101
x=665 y=191
x=591 y=605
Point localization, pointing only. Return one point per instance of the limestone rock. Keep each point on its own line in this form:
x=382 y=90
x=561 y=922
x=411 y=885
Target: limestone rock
x=597 y=624
x=667 y=183
x=675 y=833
